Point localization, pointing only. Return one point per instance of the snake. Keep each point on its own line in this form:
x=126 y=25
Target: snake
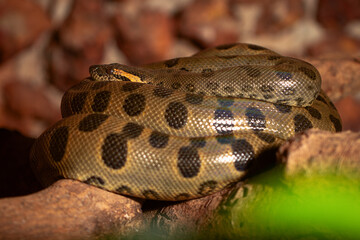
x=181 y=128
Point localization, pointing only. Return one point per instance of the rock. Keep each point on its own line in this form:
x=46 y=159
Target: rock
x=208 y=23
x=143 y=35
x=349 y=110
x=335 y=14
x=24 y=103
x=336 y=44
x=66 y=210
x=277 y=15
x=22 y=21
x=182 y=218
x=321 y=152
x=340 y=75
x=78 y=44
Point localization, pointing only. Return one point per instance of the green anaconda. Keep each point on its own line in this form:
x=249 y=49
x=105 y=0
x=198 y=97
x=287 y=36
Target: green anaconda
x=181 y=128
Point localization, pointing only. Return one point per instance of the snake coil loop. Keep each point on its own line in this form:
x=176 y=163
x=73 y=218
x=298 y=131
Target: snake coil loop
x=182 y=128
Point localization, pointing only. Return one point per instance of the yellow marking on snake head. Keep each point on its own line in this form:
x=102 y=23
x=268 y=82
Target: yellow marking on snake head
x=131 y=77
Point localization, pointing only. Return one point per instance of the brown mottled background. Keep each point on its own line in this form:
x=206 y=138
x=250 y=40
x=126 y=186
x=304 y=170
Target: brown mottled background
x=46 y=46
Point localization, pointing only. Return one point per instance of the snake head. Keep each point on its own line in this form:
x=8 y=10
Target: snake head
x=113 y=72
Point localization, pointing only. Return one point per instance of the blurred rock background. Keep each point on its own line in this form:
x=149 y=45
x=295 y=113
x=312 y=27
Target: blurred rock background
x=46 y=46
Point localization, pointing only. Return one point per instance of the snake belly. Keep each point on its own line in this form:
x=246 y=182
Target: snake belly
x=181 y=128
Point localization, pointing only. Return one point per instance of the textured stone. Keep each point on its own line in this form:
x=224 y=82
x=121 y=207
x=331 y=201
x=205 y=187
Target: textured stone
x=279 y=15
x=21 y=23
x=23 y=103
x=340 y=75
x=336 y=14
x=321 y=152
x=67 y=209
x=79 y=43
x=209 y=23
x=349 y=110
x=143 y=35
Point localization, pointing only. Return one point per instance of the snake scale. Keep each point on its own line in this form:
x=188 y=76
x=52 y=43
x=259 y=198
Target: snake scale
x=181 y=128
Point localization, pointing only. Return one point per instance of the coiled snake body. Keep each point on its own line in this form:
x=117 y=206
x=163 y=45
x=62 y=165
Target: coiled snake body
x=182 y=128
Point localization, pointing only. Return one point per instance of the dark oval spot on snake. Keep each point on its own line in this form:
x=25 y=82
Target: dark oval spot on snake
x=207 y=187
x=182 y=196
x=225 y=101
x=310 y=88
x=299 y=101
x=98 y=85
x=188 y=162
x=150 y=194
x=266 y=88
x=256 y=119
x=134 y=104
x=162 y=92
x=226 y=46
x=124 y=190
x=92 y=122
x=58 y=142
x=308 y=72
x=284 y=75
x=171 y=62
x=190 y=87
x=255 y=47
x=176 y=85
x=212 y=85
x=194 y=98
x=313 y=112
x=158 y=140
x=283 y=108
x=268 y=96
x=176 y=115
x=226 y=57
x=301 y=123
x=132 y=130
x=247 y=88
x=336 y=122
x=332 y=105
x=266 y=137
x=114 y=151
x=101 y=101
x=225 y=139
x=244 y=154
x=95 y=180
x=273 y=57
x=198 y=142
x=321 y=99
x=252 y=72
x=223 y=121
x=207 y=72
x=131 y=86
x=78 y=102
